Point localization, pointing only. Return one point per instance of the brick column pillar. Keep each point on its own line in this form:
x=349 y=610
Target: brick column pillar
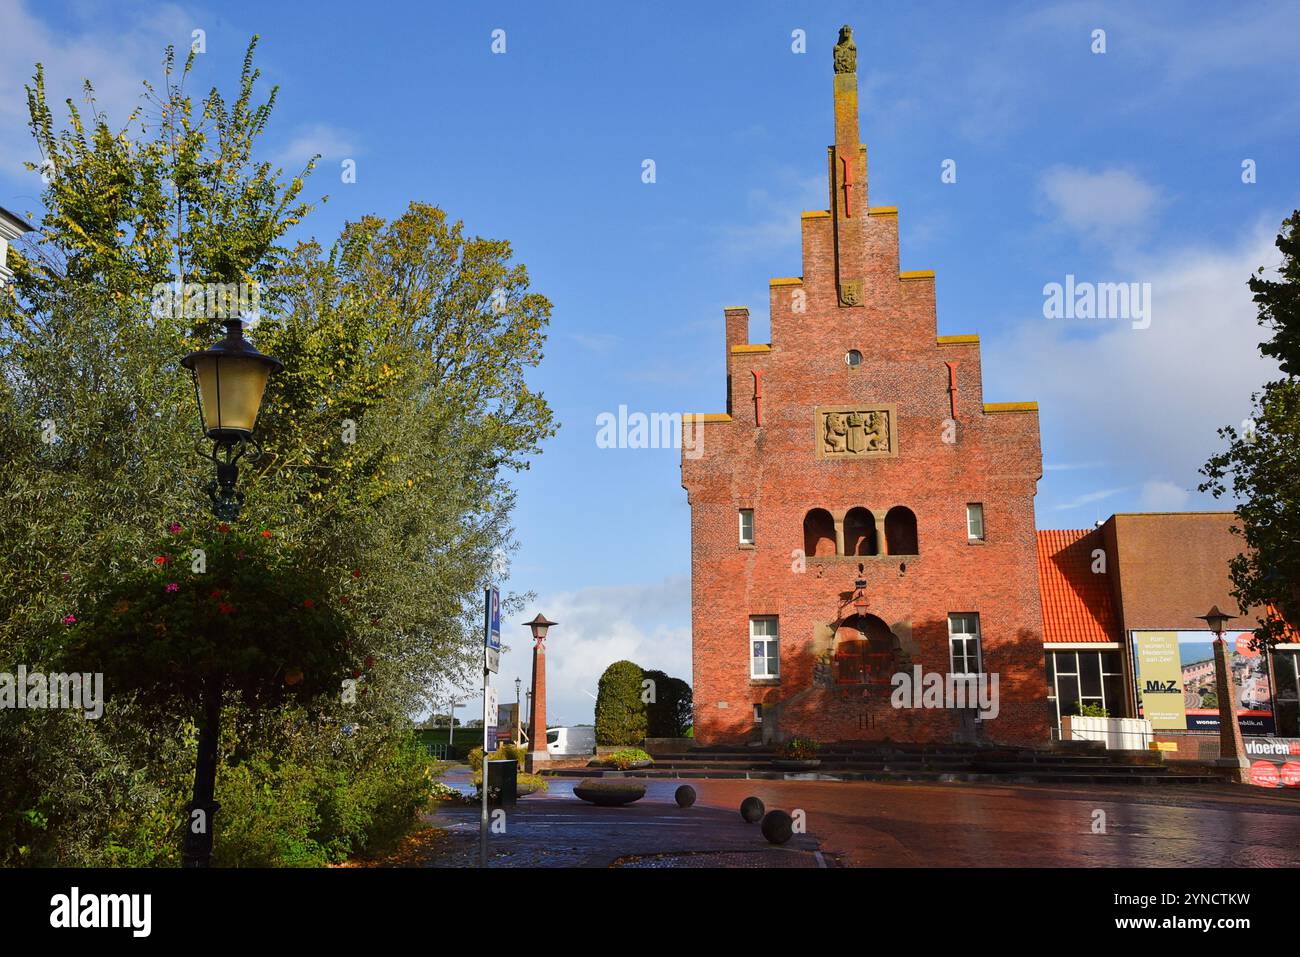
x=1232 y=752
x=537 y=752
x=848 y=181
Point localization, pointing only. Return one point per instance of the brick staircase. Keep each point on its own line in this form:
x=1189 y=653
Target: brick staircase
x=1074 y=763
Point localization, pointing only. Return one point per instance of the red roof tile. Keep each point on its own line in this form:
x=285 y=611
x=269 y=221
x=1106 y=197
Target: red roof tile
x=1077 y=602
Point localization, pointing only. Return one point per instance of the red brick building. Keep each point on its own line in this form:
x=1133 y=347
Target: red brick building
x=859 y=510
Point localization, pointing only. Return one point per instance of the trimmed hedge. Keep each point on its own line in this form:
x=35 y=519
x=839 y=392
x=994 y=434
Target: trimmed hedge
x=620 y=712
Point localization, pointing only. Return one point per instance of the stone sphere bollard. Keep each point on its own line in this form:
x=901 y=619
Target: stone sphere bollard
x=777 y=827
x=684 y=796
x=751 y=809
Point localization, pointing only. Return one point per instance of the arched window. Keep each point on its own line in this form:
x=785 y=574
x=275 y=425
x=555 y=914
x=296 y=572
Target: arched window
x=818 y=533
x=860 y=532
x=900 y=531
x=866 y=651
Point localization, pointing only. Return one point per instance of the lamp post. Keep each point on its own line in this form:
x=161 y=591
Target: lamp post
x=1232 y=751
x=537 y=752
x=229 y=381
x=518 y=717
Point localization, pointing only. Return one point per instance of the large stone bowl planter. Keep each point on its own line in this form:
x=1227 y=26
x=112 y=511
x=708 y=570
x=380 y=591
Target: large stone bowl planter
x=794 y=764
x=610 y=792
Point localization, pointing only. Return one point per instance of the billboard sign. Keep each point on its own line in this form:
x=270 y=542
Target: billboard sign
x=1274 y=762
x=1174 y=674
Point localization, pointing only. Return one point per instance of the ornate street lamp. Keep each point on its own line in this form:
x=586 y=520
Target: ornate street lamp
x=540 y=626
x=1216 y=620
x=229 y=381
x=537 y=705
x=1232 y=751
x=519 y=718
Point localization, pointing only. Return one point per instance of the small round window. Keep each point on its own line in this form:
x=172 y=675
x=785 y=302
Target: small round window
x=853 y=358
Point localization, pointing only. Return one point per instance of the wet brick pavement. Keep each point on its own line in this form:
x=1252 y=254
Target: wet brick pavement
x=867 y=824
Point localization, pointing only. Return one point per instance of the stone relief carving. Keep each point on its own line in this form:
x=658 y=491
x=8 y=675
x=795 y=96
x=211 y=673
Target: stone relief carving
x=851 y=292
x=850 y=431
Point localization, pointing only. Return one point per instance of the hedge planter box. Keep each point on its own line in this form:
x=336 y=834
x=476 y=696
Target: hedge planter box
x=609 y=792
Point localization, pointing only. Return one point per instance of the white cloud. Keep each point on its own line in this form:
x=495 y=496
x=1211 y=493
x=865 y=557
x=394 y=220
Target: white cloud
x=774 y=224
x=115 y=53
x=331 y=142
x=1160 y=496
x=1100 y=205
x=1088 y=498
x=1149 y=401
x=645 y=623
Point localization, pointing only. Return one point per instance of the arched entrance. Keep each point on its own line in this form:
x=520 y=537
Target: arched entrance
x=866 y=651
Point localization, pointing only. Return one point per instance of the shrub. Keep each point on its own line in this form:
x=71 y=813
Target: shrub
x=627 y=758
x=799 y=749
x=620 y=711
x=1092 y=711
x=524 y=784
x=502 y=753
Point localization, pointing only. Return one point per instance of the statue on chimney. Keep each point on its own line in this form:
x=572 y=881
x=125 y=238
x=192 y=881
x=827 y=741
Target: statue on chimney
x=846 y=52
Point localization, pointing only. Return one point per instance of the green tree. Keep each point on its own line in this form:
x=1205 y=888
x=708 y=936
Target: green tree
x=1261 y=466
x=671 y=711
x=390 y=438
x=620 y=709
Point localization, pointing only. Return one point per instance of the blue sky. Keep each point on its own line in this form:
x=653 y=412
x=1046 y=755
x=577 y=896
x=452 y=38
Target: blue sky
x=1124 y=166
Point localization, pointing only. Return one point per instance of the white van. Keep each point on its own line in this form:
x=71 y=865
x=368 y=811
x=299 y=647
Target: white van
x=563 y=741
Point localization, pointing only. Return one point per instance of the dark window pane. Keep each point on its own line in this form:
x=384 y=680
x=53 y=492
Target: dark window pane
x=1110 y=663
x=1116 y=702
x=1090 y=673
x=1067 y=662
x=1284 y=664
x=1051 y=670
x=1069 y=694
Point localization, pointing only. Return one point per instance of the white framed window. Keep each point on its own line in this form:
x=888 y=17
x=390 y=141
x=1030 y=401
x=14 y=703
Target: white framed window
x=764 y=648
x=964 y=643
x=975 y=521
x=747 y=526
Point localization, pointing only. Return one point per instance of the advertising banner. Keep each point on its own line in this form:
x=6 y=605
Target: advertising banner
x=1174 y=675
x=1274 y=762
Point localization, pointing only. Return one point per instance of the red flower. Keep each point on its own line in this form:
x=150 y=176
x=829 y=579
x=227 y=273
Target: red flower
x=266 y=533
x=174 y=528
x=216 y=593
x=225 y=608
x=308 y=603
x=223 y=527
x=160 y=560
x=346 y=600
x=356 y=573
x=370 y=662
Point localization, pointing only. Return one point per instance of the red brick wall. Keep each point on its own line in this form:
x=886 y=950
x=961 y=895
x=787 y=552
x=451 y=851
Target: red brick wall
x=774 y=469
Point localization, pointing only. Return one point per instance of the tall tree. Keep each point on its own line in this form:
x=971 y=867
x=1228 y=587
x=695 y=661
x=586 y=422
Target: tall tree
x=1261 y=466
x=390 y=436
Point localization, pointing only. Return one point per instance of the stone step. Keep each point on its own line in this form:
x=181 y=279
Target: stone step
x=1141 y=777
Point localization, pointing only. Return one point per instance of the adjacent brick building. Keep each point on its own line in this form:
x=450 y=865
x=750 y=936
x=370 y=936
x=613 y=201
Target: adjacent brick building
x=859 y=509
x=1105 y=588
